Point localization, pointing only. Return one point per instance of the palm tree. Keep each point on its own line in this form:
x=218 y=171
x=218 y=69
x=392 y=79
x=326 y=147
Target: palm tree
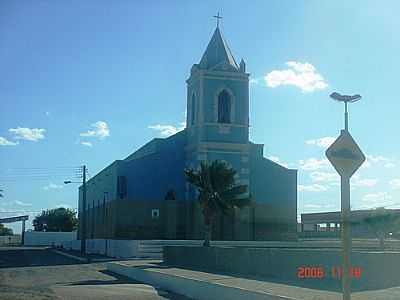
x=381 y=222
x=218 y=192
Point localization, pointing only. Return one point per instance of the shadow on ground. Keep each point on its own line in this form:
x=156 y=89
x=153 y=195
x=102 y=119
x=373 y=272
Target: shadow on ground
x=120 y=279
x=17 y=258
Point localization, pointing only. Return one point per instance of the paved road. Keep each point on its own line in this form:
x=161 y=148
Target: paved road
x=40 y=273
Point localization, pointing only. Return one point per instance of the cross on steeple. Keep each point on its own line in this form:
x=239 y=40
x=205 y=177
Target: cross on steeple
x=218 y=17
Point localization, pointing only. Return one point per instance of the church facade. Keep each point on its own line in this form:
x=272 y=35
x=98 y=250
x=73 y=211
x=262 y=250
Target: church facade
x=146 y=196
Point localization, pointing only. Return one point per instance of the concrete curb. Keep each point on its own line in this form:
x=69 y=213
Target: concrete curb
x=193 y=288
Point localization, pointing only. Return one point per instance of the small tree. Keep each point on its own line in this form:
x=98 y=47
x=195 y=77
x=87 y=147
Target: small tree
x=217 y=191
x=5 y=231
x=58 y=219
x=382 y=222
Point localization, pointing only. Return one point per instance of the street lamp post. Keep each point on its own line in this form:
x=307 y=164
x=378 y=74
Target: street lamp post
x=346 y=99
x=82 y=216
x=105 y=198
x=345 y=204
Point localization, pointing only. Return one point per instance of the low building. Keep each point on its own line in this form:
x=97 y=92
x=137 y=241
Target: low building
x=328 y=223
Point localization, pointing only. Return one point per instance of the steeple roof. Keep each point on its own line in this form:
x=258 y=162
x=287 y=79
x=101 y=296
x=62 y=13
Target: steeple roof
x=217 y=52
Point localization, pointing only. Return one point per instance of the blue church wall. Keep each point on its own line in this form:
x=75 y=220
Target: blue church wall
x=275 y=187
x=150 y=177
x=149 y=148
x=104 y=181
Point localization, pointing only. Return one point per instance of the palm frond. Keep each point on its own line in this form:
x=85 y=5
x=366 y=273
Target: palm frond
x=234 y=191
x=241 y=202
x=215 y=183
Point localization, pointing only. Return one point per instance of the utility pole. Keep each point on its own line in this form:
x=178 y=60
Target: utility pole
x=23 y=233
x=82 y=211
x=82 y=221
x=346 y=157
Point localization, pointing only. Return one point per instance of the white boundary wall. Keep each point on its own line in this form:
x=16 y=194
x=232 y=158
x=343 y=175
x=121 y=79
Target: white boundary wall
x=39 y=238
x=112 y=248
x=9 y=240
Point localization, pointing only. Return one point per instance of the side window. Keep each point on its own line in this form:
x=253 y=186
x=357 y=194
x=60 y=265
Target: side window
x=193 y=112
x=155 y=213
x=224 y=107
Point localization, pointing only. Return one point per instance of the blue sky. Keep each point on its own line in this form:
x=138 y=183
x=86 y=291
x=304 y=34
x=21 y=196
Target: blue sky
x=90 y=83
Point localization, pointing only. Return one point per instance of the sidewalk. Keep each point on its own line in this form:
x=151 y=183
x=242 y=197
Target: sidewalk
x=202 y=285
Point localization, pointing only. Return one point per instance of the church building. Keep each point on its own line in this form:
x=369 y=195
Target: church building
x=146 y=196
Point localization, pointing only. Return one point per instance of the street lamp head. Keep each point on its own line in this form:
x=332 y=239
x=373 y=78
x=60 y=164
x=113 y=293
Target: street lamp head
x=345 y=98
x=67 y=181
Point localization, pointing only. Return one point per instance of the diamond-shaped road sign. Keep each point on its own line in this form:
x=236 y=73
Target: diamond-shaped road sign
x=345 y=155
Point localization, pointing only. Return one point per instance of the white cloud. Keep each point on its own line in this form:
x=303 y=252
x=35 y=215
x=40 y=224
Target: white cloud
x=20 y=203
x=14 y=205
x=315 y=206
x=277 y=160
x=323 y=142
x=379 y=160
x=379 y=199
x=5 y=142
x=312 y=164
x=52 y=186
x=356 y=181
x=327 y=177
x=168 y=130
x=395 y=183
x=63 y=205
x=100 y=130
x=28 y=134
x=312 y=188
x=87 y=144
x=389 y=165
x=312 y=206
x=301 y=75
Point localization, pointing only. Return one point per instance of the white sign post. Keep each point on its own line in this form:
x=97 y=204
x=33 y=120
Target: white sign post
x=346 y=157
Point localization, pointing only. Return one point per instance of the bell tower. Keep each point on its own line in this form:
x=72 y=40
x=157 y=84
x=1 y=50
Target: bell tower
x=218 y=96
x=218 y=108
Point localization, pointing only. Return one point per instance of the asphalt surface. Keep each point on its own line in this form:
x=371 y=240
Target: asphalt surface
x=41 y=273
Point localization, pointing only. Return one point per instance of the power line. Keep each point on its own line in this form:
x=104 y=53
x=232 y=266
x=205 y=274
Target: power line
x=41 y=178
x=31 y=211
x=40 y=173
x=20 y=212
x=41 y=168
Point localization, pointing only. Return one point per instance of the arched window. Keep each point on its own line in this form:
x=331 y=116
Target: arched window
x=224 y=107
x=193 y=114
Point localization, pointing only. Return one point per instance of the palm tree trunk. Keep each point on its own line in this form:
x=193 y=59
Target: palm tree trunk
x=207 y=229
x=382 y=242
x=207 y=235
